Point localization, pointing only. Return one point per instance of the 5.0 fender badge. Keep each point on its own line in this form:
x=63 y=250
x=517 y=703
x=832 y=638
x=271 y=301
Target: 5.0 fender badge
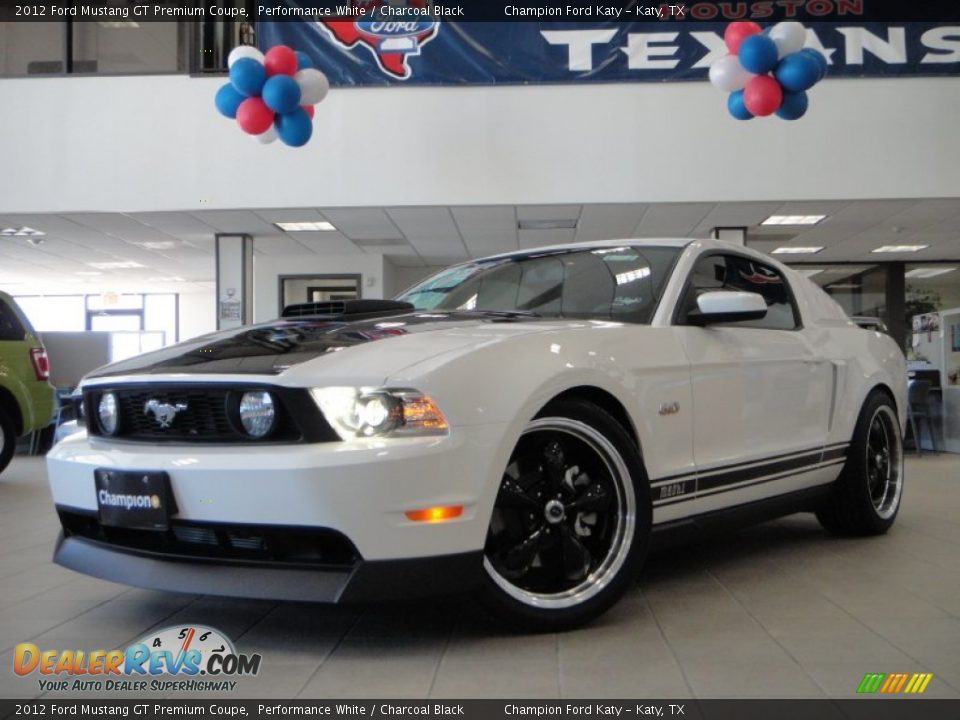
x=669 y=408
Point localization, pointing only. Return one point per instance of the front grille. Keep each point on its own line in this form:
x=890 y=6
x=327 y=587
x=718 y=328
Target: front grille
x=215 y=541
x=207 y=413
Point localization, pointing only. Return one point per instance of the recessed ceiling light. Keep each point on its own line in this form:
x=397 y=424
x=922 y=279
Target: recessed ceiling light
x=547 y=224
x=793 y=219
x=172 y=278
x=924 y=273
x=115 y=24
x=119 y=265
x=322 y=226
x=21 y=232
x=88 y=273
x=797 y=250
x=900 y=248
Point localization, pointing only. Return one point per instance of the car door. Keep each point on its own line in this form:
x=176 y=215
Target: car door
x=761 y=394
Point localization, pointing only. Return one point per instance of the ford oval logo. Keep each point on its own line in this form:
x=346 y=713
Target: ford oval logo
x=395 y=28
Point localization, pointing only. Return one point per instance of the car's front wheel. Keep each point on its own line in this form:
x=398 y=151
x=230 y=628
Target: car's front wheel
x=571 y=521
x=866 y=497
x=8 y=440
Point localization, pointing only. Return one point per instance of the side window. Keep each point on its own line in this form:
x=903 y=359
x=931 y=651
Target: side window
x=10 y=327
x=734 y=272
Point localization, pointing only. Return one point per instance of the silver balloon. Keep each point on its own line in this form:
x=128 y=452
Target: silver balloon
x=789 y=36
x=314 y=86
x=728 y=75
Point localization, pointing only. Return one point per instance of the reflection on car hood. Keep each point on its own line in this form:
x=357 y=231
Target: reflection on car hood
x=271 y=348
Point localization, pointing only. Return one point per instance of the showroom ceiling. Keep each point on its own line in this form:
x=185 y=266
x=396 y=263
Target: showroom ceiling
x=173 y=251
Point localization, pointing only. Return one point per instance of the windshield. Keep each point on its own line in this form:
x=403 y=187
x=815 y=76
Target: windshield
x=610 y=283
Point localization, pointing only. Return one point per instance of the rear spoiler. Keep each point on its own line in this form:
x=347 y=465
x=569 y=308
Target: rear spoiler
x=347 y=308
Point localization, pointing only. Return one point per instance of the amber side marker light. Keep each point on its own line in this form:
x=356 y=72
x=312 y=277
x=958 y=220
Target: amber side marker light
x=435 y=514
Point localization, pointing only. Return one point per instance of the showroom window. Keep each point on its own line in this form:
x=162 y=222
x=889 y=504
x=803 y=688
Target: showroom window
x=81 y=48
x=137 y=323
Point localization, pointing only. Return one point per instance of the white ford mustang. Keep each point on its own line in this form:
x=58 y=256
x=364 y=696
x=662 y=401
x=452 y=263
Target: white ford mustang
x=519 y=427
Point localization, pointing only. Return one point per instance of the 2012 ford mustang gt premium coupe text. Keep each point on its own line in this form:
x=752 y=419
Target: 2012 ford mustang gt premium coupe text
x=518 y=427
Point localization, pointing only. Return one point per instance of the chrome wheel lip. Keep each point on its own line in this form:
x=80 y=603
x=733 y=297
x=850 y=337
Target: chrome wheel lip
x=886 y=506
x=624 y=532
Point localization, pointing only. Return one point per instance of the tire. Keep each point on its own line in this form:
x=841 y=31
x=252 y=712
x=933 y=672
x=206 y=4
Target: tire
x=866 y=497
x=571 y=523
x=8 y=439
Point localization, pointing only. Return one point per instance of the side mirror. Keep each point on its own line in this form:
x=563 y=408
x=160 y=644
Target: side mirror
x=727 y=306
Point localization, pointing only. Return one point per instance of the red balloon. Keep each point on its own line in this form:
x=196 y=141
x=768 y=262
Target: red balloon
x=733 y=36
x=309 y=110
x=254 y=117
x=763 y=96
x=280 y=60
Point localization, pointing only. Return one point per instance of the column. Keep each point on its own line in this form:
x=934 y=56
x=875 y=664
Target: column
x=234 y=255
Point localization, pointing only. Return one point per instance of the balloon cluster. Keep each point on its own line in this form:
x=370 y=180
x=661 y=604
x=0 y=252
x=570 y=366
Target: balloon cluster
x=272 y=95
x=768 y=71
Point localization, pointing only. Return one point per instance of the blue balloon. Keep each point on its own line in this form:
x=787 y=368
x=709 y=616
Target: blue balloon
x=821 y=61
x=228 y=100
x=294 y=128
x=758 y=54
x=736 y=106
x=304 y=61
x=248 y=76
x=281 y=94
x=797 y=72
x=794 y=105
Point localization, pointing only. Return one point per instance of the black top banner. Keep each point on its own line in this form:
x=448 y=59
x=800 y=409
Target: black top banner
x=765 y=11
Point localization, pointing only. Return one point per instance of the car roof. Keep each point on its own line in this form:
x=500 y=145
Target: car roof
x=633 y=242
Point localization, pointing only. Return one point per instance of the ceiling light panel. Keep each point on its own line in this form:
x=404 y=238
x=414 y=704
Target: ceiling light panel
x=322 y=226
x=120 y=265
x=793 y=219
x=900 y=248
x=926 y=273
x=797 y=250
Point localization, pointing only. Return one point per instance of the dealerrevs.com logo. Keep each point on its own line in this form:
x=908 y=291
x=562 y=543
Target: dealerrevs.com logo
x=177 y=658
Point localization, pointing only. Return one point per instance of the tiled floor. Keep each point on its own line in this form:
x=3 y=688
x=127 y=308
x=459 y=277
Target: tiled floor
x=776 y=610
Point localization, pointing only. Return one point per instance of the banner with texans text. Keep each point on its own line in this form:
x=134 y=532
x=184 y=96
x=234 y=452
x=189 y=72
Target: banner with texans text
x=424 y=52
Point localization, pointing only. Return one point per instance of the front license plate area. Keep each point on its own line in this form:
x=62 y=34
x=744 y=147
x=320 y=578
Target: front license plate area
x=136 y=500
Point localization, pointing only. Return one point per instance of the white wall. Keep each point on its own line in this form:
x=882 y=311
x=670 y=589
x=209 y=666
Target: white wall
x=156 y=143
x=267 y=270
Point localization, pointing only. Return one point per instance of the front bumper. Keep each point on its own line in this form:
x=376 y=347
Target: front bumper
x=359 y=489
x=366 y=581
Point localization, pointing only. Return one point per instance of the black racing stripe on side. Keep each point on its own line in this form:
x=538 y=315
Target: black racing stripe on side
x=734 y=466
x=727 y=478
x=761 y=481
x=835 y=453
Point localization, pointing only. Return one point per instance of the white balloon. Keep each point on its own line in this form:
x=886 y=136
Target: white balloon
x=789 y=36
x=244 y=51
x=728 y=74
x=314 y=86
x=267 y=137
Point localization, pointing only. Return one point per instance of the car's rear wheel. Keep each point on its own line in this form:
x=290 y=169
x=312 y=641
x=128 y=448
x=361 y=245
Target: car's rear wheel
x=8 y=440
x=571 y=522
x=866 y=496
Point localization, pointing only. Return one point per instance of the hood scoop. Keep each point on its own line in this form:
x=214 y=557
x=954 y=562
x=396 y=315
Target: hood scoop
x=355 y=309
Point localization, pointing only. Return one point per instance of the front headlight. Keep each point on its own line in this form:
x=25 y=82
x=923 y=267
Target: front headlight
x=367 y=412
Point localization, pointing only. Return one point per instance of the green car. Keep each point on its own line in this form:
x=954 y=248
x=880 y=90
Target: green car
x=26 y=396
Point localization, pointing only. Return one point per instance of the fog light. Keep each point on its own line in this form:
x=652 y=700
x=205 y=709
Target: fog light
x=435 y=514
x=107 y=412
x=257 y=413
